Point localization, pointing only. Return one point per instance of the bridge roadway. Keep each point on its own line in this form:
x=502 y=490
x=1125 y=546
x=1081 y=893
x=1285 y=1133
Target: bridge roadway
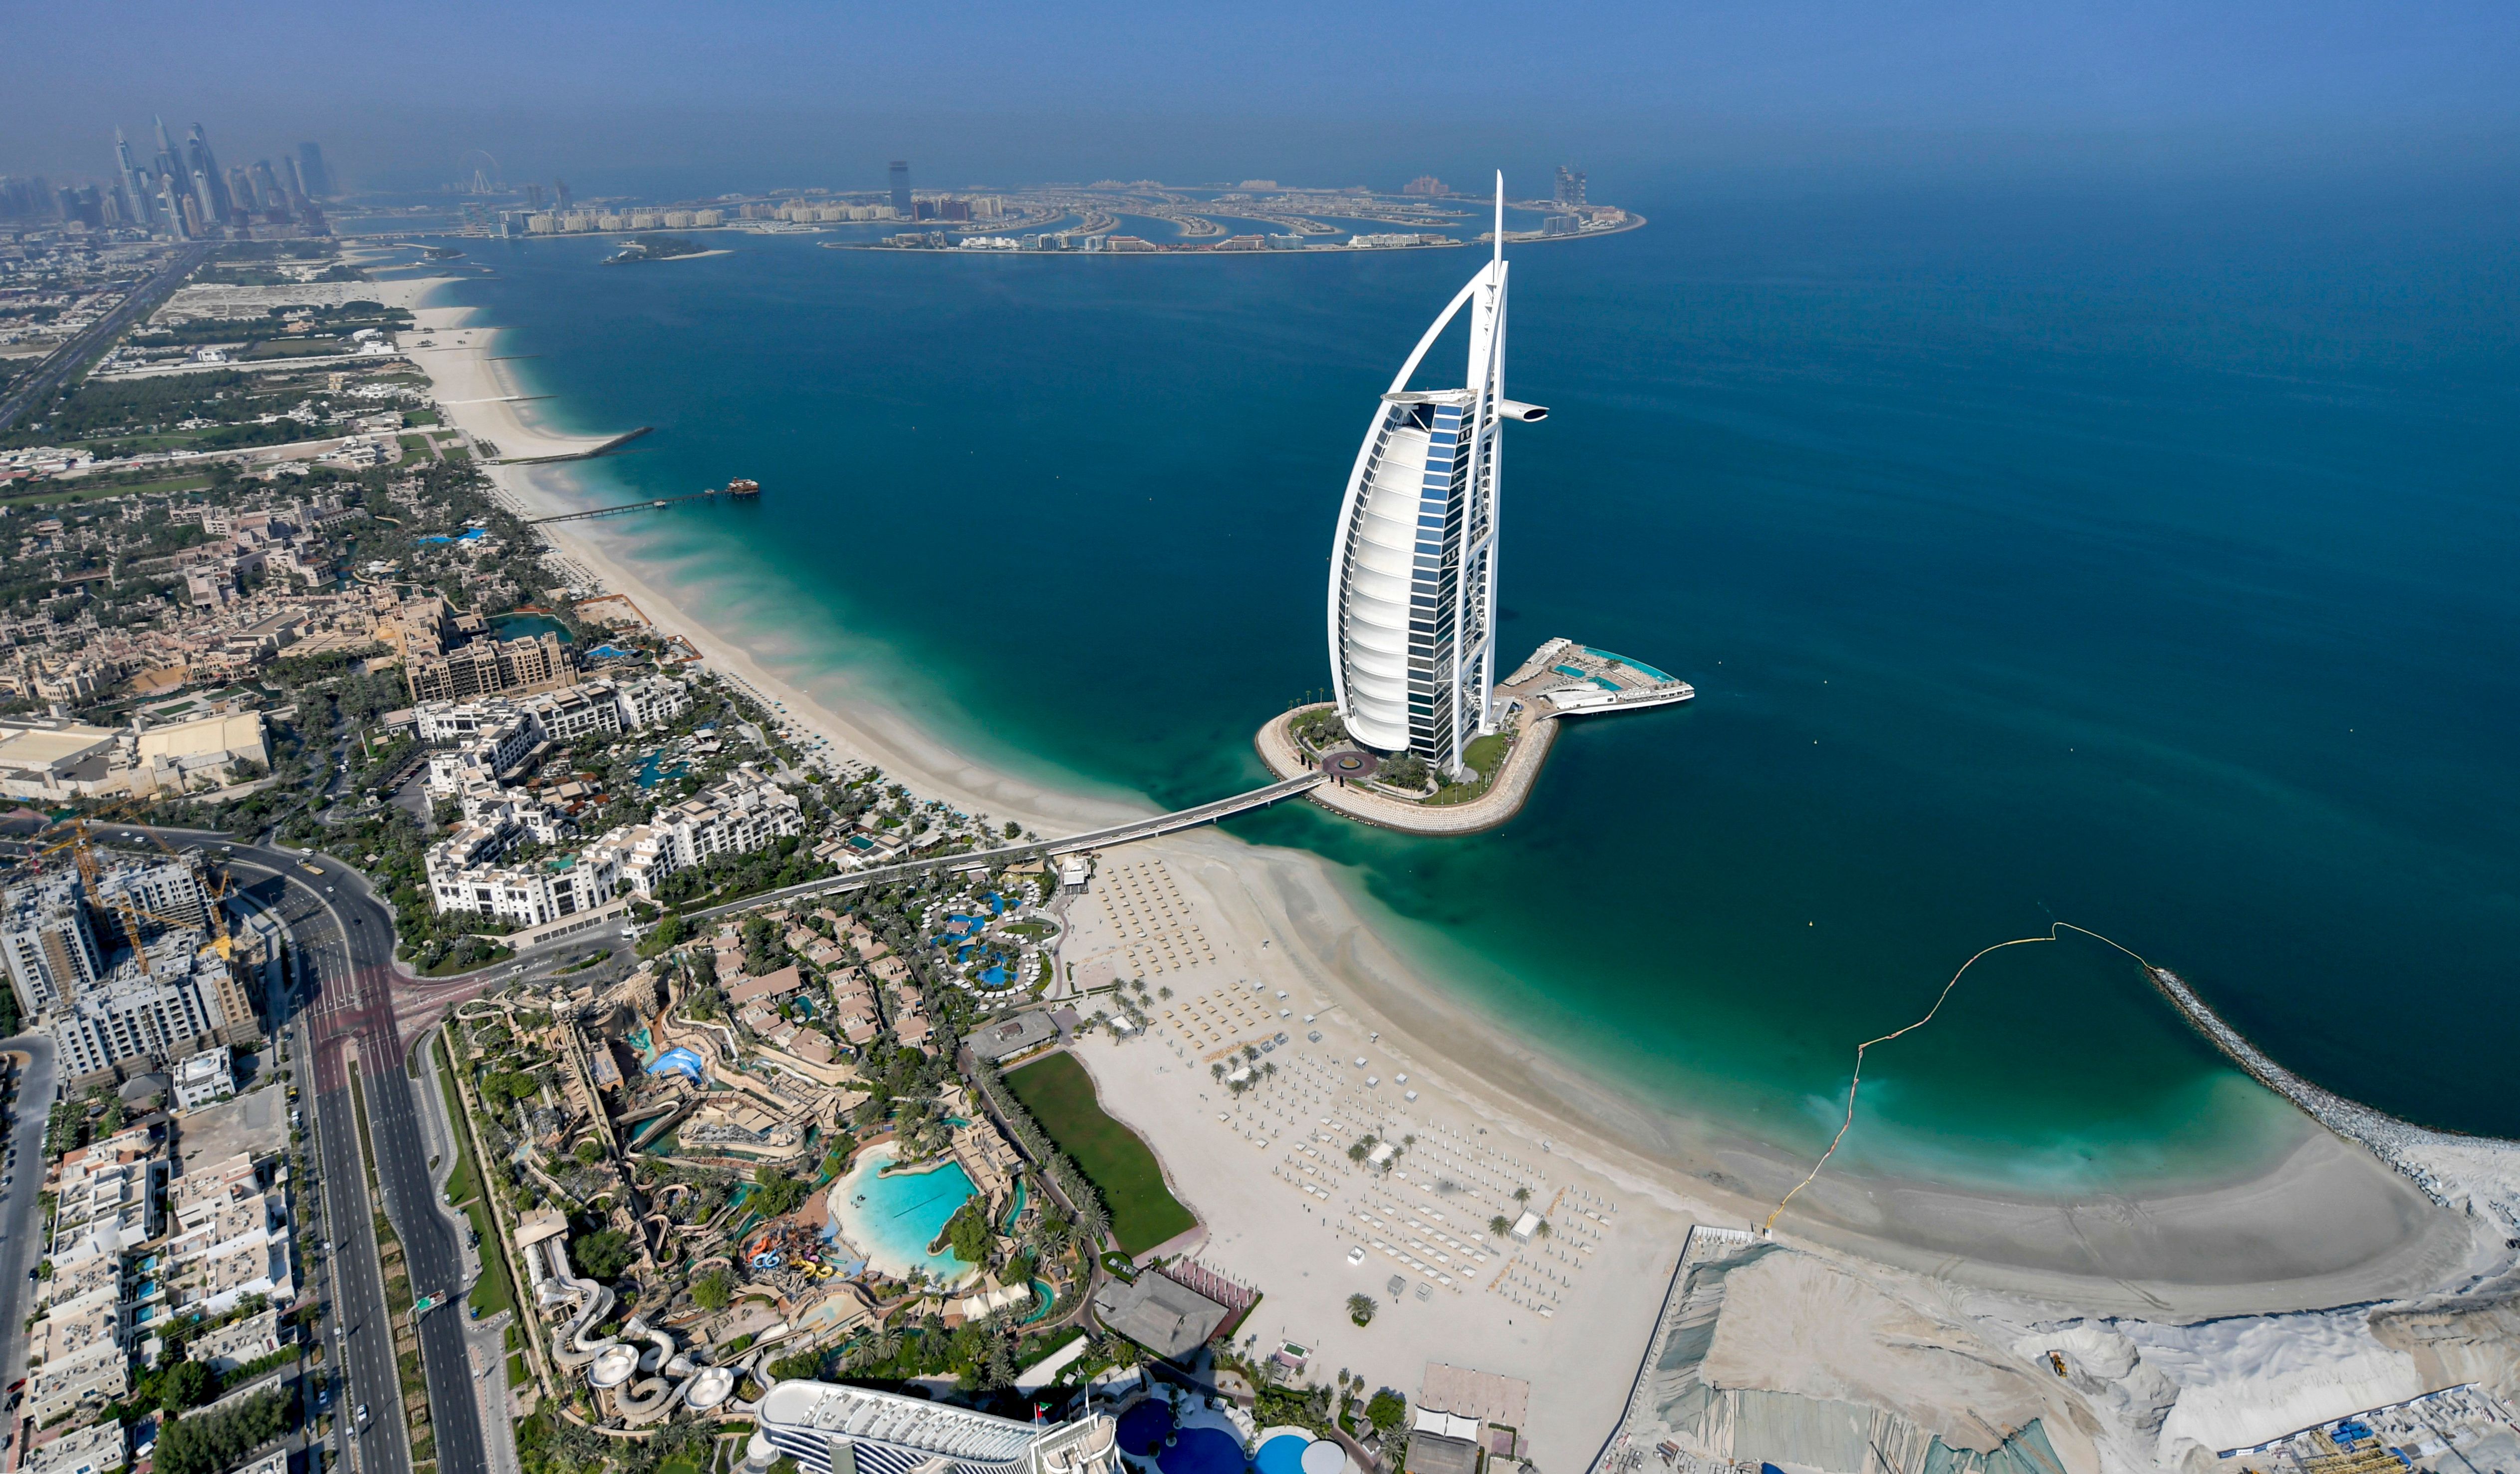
x=1098 y=838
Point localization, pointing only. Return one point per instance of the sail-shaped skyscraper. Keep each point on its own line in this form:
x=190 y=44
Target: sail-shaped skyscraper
x=1413 y=569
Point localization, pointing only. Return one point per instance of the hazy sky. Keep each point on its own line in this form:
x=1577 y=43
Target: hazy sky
x=755 y=94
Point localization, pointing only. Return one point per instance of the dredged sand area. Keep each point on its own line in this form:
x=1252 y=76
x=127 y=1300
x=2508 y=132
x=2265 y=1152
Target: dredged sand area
x=2313 y=1222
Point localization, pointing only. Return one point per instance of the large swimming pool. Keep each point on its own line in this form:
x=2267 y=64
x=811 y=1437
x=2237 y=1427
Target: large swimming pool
x=891 y=1220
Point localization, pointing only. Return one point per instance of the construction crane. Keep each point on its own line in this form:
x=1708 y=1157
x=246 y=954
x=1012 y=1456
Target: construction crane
x=214 y=894
x=127 y=912
x=83 y=853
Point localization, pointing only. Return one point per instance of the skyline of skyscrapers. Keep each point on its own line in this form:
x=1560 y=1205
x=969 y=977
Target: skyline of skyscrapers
x=183 y=191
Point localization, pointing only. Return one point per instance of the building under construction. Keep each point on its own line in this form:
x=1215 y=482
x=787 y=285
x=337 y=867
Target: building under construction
x=128 y=962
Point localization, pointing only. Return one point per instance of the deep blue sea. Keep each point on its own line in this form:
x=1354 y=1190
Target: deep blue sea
x=2145 y=564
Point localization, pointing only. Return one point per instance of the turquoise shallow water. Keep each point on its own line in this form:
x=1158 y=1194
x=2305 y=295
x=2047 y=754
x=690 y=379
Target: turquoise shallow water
x=2031 y=561
x=901 y=1215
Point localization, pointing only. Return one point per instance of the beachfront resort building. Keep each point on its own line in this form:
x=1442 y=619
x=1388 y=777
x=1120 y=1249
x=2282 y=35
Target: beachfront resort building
x=487 y=666
x=1413 y=569
x=748 y=811
x=825 y=1428
x=744 y=813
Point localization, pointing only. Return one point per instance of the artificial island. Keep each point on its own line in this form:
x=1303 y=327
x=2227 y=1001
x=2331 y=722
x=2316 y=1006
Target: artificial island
x=1106 y=217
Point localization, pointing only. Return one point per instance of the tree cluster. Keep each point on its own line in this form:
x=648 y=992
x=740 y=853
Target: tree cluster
x=207 y=1443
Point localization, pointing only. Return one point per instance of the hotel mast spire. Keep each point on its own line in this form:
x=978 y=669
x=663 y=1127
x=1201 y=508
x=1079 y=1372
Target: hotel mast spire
x=1412 y=573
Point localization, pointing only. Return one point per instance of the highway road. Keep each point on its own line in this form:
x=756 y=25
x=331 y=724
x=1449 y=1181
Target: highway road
x=22 y=1219
x=76 y=352
x=345 y=1006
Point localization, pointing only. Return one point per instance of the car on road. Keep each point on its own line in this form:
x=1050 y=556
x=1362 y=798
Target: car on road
x=363 y=1414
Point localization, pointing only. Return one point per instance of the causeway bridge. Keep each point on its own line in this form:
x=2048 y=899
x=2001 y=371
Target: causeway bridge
x=1098 y=838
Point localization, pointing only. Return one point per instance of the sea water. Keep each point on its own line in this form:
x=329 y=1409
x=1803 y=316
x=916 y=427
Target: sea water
x=2144 y=568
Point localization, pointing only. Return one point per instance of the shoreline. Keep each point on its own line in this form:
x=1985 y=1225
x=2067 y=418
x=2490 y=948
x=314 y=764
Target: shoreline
x=1504 y=798
x=2324 y=1221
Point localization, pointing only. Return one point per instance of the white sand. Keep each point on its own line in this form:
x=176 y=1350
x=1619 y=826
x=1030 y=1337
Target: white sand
x=2325 y=1225
x=474 y=392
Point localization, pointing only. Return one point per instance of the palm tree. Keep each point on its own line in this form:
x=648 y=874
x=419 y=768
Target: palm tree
x=1522 y=1194
x=1499 y=1226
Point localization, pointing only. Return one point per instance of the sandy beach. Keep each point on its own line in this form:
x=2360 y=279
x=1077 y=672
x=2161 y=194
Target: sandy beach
x=2320 y=1223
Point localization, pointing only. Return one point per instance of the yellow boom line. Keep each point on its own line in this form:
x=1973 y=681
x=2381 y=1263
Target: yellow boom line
x=1856 y=1082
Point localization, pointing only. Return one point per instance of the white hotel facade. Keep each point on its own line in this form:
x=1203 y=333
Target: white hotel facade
x=1413 y=568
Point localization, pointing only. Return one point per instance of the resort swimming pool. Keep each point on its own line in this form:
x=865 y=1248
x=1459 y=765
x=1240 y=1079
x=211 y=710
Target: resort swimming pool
x=1142 y=1428
x=891 y=1220
x=653 y=770
x=1282 y=1454
x=1202 y=1451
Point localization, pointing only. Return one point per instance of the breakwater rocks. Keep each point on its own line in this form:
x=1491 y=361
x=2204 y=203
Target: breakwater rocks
x=2476 y=1175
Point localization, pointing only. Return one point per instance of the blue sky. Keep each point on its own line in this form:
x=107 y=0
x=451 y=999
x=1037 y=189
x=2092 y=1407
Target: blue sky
x=1329 y=92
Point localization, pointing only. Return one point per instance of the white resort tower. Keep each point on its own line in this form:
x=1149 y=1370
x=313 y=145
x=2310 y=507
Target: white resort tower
x=1413 y=574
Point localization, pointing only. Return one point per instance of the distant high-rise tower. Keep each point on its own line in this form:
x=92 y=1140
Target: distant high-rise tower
x=560 y=194
x=133 y=183
x=168 y=160
x=205 y=169
x=533 y=197
x=170 y=205
x=311 y=169
x=1412 y=571
x=1570 y=186
x=901 y=188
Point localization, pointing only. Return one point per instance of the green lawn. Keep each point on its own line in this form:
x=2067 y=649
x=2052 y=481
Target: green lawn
x=493 y=1292
x=1060 y=1096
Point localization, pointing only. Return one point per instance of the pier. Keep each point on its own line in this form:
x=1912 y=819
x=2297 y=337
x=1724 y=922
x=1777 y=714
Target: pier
x=739 y=490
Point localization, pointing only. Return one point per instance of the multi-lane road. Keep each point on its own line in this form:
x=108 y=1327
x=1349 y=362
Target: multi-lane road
x=346 y=1007
x=21 y=1220
x=346 y=981
x=73 y=355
